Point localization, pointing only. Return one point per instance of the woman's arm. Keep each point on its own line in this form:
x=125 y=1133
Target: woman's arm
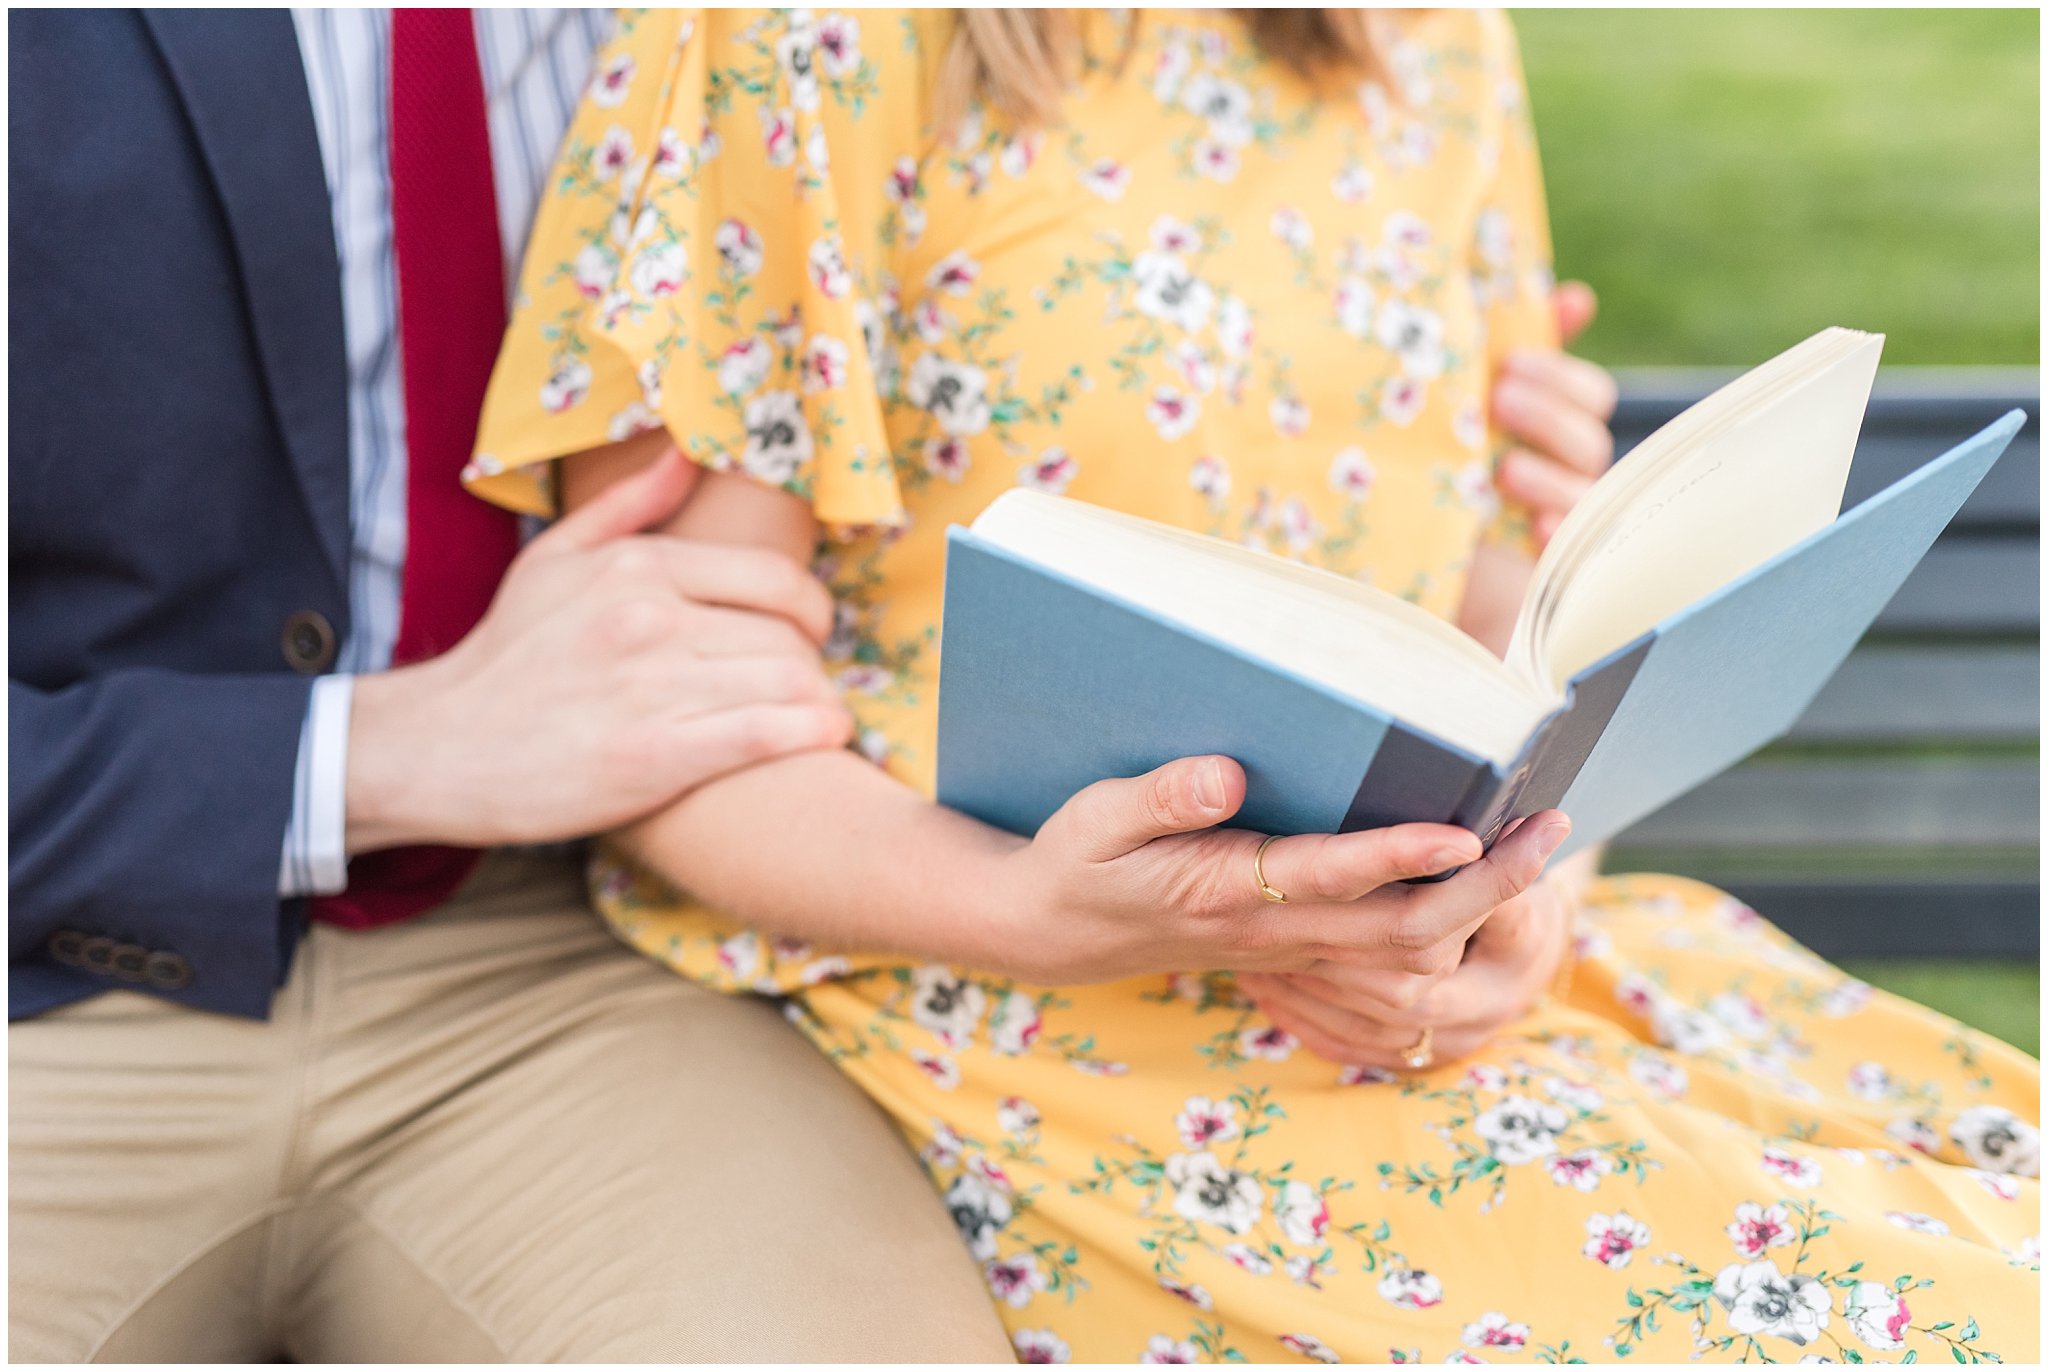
x=1131 y=876
x=772 y=845
x=1493 y=595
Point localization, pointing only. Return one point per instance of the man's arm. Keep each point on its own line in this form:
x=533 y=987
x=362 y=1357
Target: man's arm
x=146 y=813
x=614 y=670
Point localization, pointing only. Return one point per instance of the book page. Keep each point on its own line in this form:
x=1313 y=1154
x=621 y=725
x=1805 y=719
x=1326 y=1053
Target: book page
x=1742 y=476
x=1339 y=633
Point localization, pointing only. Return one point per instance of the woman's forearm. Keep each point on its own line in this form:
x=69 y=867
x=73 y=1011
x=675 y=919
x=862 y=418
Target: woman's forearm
x=827 y=847
x=823 y=846
x=1493 y=595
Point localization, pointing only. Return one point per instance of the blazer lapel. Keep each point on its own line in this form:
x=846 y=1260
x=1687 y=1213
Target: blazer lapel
x=244 y=87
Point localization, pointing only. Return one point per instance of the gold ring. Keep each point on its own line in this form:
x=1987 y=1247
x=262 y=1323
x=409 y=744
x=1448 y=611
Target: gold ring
x=1419 y=1054
x=1272 y=893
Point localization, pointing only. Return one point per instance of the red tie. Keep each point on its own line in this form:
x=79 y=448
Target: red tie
x=451 y=311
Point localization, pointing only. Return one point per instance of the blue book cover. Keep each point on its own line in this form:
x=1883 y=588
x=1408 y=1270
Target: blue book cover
x=1049 y=684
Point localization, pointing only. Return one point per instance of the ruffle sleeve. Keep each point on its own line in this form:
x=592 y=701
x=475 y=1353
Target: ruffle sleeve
x=698 y=262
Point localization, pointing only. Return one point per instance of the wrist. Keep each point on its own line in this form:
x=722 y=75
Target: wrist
x=1554 y=969
x=996 y=928
x=396 y=780
x=1572 y=876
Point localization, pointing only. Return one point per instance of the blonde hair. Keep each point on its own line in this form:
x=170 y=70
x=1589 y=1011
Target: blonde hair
x=1020 y=61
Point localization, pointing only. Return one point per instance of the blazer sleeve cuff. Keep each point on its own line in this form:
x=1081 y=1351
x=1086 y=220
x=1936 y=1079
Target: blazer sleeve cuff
x=147 y=813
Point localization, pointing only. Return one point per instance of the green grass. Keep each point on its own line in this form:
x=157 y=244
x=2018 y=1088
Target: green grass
x=1731 y=181
x=2003 y=999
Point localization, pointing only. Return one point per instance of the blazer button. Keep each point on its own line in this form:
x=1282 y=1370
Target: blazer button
x=67 y=946
x=309 y=642
x=130 y=962
x=97 y=955
x=168 y=972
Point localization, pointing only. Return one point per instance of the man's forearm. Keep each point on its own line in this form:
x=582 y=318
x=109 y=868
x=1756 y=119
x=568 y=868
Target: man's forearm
x=827 y=847
x=613 y=671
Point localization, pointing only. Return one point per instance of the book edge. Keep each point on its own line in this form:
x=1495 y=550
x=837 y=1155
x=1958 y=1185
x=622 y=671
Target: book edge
x=957 y=534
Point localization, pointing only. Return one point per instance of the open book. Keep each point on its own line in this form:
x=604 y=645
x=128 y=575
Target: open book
x=1683 y=615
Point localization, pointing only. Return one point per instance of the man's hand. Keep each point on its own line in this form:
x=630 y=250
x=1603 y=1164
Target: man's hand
x=615 y=670
x=1556 y=407
x=1357 y=1016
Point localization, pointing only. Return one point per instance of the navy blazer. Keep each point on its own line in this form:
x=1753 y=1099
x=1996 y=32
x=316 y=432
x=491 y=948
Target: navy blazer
x=178 y=492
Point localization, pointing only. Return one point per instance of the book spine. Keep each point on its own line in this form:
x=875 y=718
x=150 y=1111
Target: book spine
x=1490 y=790
x=1412 y=777
x=1539 y=778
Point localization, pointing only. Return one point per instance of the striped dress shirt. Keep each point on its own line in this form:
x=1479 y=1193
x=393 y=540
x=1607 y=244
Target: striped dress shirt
x=535 y=65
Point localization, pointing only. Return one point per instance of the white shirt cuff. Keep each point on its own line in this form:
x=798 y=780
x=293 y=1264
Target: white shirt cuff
x=315 y=861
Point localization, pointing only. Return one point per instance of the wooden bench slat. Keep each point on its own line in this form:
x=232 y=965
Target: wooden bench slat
x=1947 y=919
x=2010 y=496
x=1927 y=853
x=1970 y=586
x=1965 y=692
x=1886 y=803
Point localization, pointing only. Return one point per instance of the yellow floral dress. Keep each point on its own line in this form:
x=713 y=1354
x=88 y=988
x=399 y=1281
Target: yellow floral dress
x=1218 y=296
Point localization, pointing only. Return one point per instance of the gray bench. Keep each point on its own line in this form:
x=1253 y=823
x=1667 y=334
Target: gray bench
x=1901 y=817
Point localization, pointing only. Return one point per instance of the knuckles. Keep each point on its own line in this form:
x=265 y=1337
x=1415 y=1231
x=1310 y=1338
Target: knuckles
x=784 y=582
x=763 y=732
x=628 y=562
x=1407 y=992
x=756 y=734
x=1246 y=933
x=1506 y=880
x=1205 y=897
x=1412 y=932
x=792 y=679
x=1429 y=962
x=635 y=623
x=1322 y=879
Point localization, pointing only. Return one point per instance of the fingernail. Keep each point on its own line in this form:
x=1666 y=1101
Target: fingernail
x=1444 y=858
x=1209 y=785
x=1552 y=835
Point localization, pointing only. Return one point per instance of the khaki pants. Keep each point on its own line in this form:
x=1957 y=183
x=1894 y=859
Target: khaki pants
x=490 y=1134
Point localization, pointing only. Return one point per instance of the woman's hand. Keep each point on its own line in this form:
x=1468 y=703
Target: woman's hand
x=1132 y=877
x=1371 y=1018
x=1556 y=407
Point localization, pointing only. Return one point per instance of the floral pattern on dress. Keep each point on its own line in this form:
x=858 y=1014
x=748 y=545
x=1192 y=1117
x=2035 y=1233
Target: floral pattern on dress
x=1219 y=296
